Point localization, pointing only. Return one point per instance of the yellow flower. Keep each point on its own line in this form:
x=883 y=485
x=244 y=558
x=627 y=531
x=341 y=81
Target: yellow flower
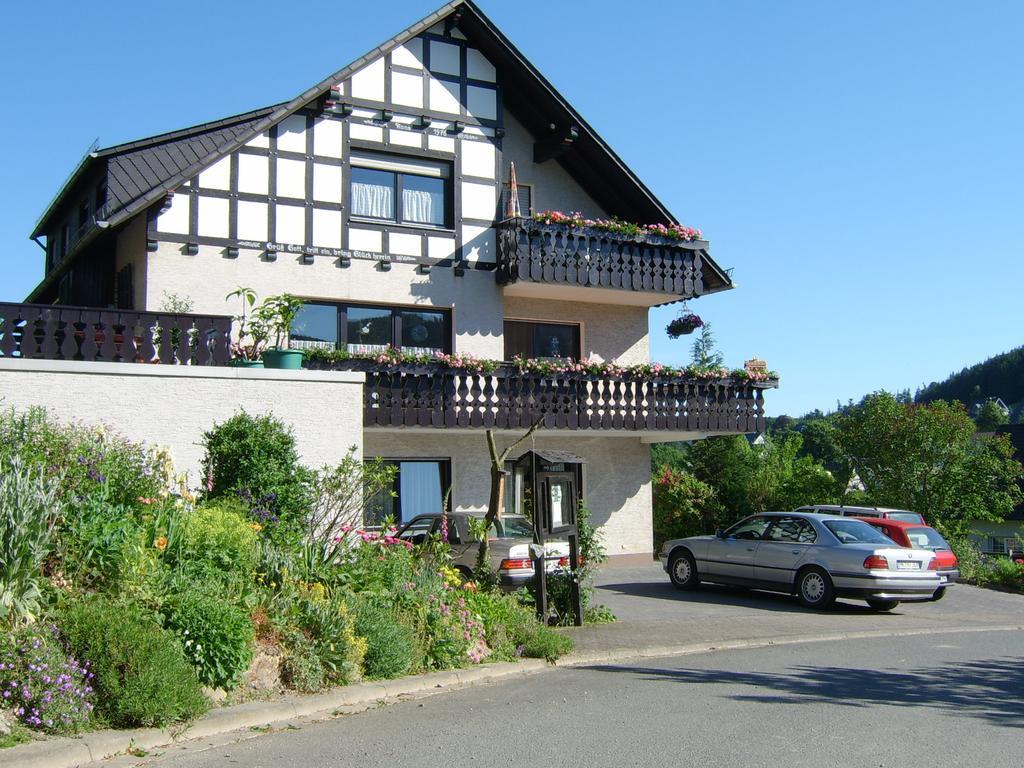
x=160 y=543
x=256 y=527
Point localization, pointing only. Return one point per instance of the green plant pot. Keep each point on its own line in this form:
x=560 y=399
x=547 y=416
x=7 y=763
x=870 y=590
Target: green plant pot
x=286 y=359
x=240 y=363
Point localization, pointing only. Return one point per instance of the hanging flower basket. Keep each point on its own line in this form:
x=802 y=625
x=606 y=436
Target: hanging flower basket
x=684 y=324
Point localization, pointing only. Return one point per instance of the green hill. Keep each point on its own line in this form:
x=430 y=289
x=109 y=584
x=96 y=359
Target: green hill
x=1000 y=376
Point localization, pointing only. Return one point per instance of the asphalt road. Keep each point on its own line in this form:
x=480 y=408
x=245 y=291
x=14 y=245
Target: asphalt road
x=949 y=700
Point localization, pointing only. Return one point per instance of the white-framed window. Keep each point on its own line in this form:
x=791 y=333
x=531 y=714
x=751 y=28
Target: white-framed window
x=401 y=189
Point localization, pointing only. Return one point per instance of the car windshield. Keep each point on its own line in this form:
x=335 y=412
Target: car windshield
x=926 y=538
x=907 y=517
x=856 y=532
x=511 y=528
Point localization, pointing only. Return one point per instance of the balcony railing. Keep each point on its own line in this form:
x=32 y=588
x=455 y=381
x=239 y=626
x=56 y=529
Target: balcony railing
x=557 y=254
x=438 y=397
x=48 y=332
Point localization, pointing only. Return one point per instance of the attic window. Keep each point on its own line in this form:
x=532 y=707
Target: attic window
x=400 y=189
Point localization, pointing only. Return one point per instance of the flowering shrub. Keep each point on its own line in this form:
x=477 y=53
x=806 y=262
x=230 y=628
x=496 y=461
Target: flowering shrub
x=575 y=219
x=217 y=536
x=41 y=684
x=141 y=675
x=88 y=460
x=511 y=629
x=216 y=636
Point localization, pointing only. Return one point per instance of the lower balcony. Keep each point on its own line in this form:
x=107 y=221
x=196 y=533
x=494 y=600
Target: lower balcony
x=432 y=396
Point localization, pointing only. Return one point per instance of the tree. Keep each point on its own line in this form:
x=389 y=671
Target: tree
x=990 y=416
x=496 y=501
x=925 y=458
x=703 y=352
x=683 y=506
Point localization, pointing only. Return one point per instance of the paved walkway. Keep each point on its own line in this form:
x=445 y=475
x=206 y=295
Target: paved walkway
x=653 y=614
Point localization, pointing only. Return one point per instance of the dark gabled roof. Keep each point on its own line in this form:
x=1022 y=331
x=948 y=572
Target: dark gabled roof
x=147 y=169
x=136 y=168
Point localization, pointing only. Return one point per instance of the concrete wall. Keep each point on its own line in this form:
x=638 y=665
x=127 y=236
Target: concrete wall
x=616 y=477
x=173 y=406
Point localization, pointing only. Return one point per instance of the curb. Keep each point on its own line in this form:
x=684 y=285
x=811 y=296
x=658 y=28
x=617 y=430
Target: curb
x=91 y=747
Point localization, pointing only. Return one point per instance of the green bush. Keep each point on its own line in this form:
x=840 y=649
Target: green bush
x=217 y=536
x=972 y=564
x=29 y=505
x=301 y=669
x=142 y=677
x=254 y=459
x=512 y=630
x=390 y=643
x=1007 y=574
x=217 y=637
x=44 y=688
x=330 y=626
x=95 y=538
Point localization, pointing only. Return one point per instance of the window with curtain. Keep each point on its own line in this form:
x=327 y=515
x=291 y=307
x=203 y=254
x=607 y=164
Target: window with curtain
x=419 y=489
x=367 y=329
x=399 y=189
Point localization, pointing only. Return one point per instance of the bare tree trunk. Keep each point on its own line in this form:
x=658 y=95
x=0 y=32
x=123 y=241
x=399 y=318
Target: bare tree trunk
x=496 y=501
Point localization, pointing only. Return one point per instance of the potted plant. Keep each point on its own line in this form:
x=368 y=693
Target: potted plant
x=687 y=322
x=248 y=348
x=276 y=314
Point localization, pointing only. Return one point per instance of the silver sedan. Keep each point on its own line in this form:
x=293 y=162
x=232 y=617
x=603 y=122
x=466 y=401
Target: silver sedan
x=816 y=557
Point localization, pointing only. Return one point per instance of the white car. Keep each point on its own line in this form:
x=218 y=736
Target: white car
x=816 y=557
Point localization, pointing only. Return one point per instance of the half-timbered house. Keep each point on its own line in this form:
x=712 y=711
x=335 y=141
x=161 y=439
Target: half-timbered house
x=380 y=195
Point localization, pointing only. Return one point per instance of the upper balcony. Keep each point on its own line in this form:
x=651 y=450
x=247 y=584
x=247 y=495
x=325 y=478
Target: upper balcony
x=578 y=263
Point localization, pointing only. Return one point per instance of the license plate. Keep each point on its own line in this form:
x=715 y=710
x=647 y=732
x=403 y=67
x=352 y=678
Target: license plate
x=908 y=565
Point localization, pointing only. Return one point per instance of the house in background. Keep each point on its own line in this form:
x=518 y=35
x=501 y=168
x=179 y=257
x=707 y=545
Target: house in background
x=379 y=196
x=1001 y=538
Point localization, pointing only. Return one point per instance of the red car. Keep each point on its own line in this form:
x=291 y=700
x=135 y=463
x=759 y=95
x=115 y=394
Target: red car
x=918 y=536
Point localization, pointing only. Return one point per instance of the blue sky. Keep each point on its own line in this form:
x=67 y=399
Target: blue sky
x=859 y=165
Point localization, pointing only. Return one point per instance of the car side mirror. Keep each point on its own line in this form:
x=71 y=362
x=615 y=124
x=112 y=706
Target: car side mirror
x=719 y=533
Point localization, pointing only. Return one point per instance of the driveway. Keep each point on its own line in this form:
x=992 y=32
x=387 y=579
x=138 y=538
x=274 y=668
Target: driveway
x=652 y=613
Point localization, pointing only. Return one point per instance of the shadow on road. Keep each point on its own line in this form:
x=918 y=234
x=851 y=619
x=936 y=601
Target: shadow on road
x=712 y=594
x=989 y=689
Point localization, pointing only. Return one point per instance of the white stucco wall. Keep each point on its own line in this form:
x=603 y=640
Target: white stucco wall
x=173 y=406
x=208 y=277
x=616 y=477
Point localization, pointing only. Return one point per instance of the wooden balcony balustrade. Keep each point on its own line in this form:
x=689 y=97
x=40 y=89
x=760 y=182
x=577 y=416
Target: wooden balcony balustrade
x=557 y=254
x=434 y=396
x=50 y=332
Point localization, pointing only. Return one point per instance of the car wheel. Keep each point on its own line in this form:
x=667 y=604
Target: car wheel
x=682 y=570
x=939 y=594
x=883 y=605
x=814 y=588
